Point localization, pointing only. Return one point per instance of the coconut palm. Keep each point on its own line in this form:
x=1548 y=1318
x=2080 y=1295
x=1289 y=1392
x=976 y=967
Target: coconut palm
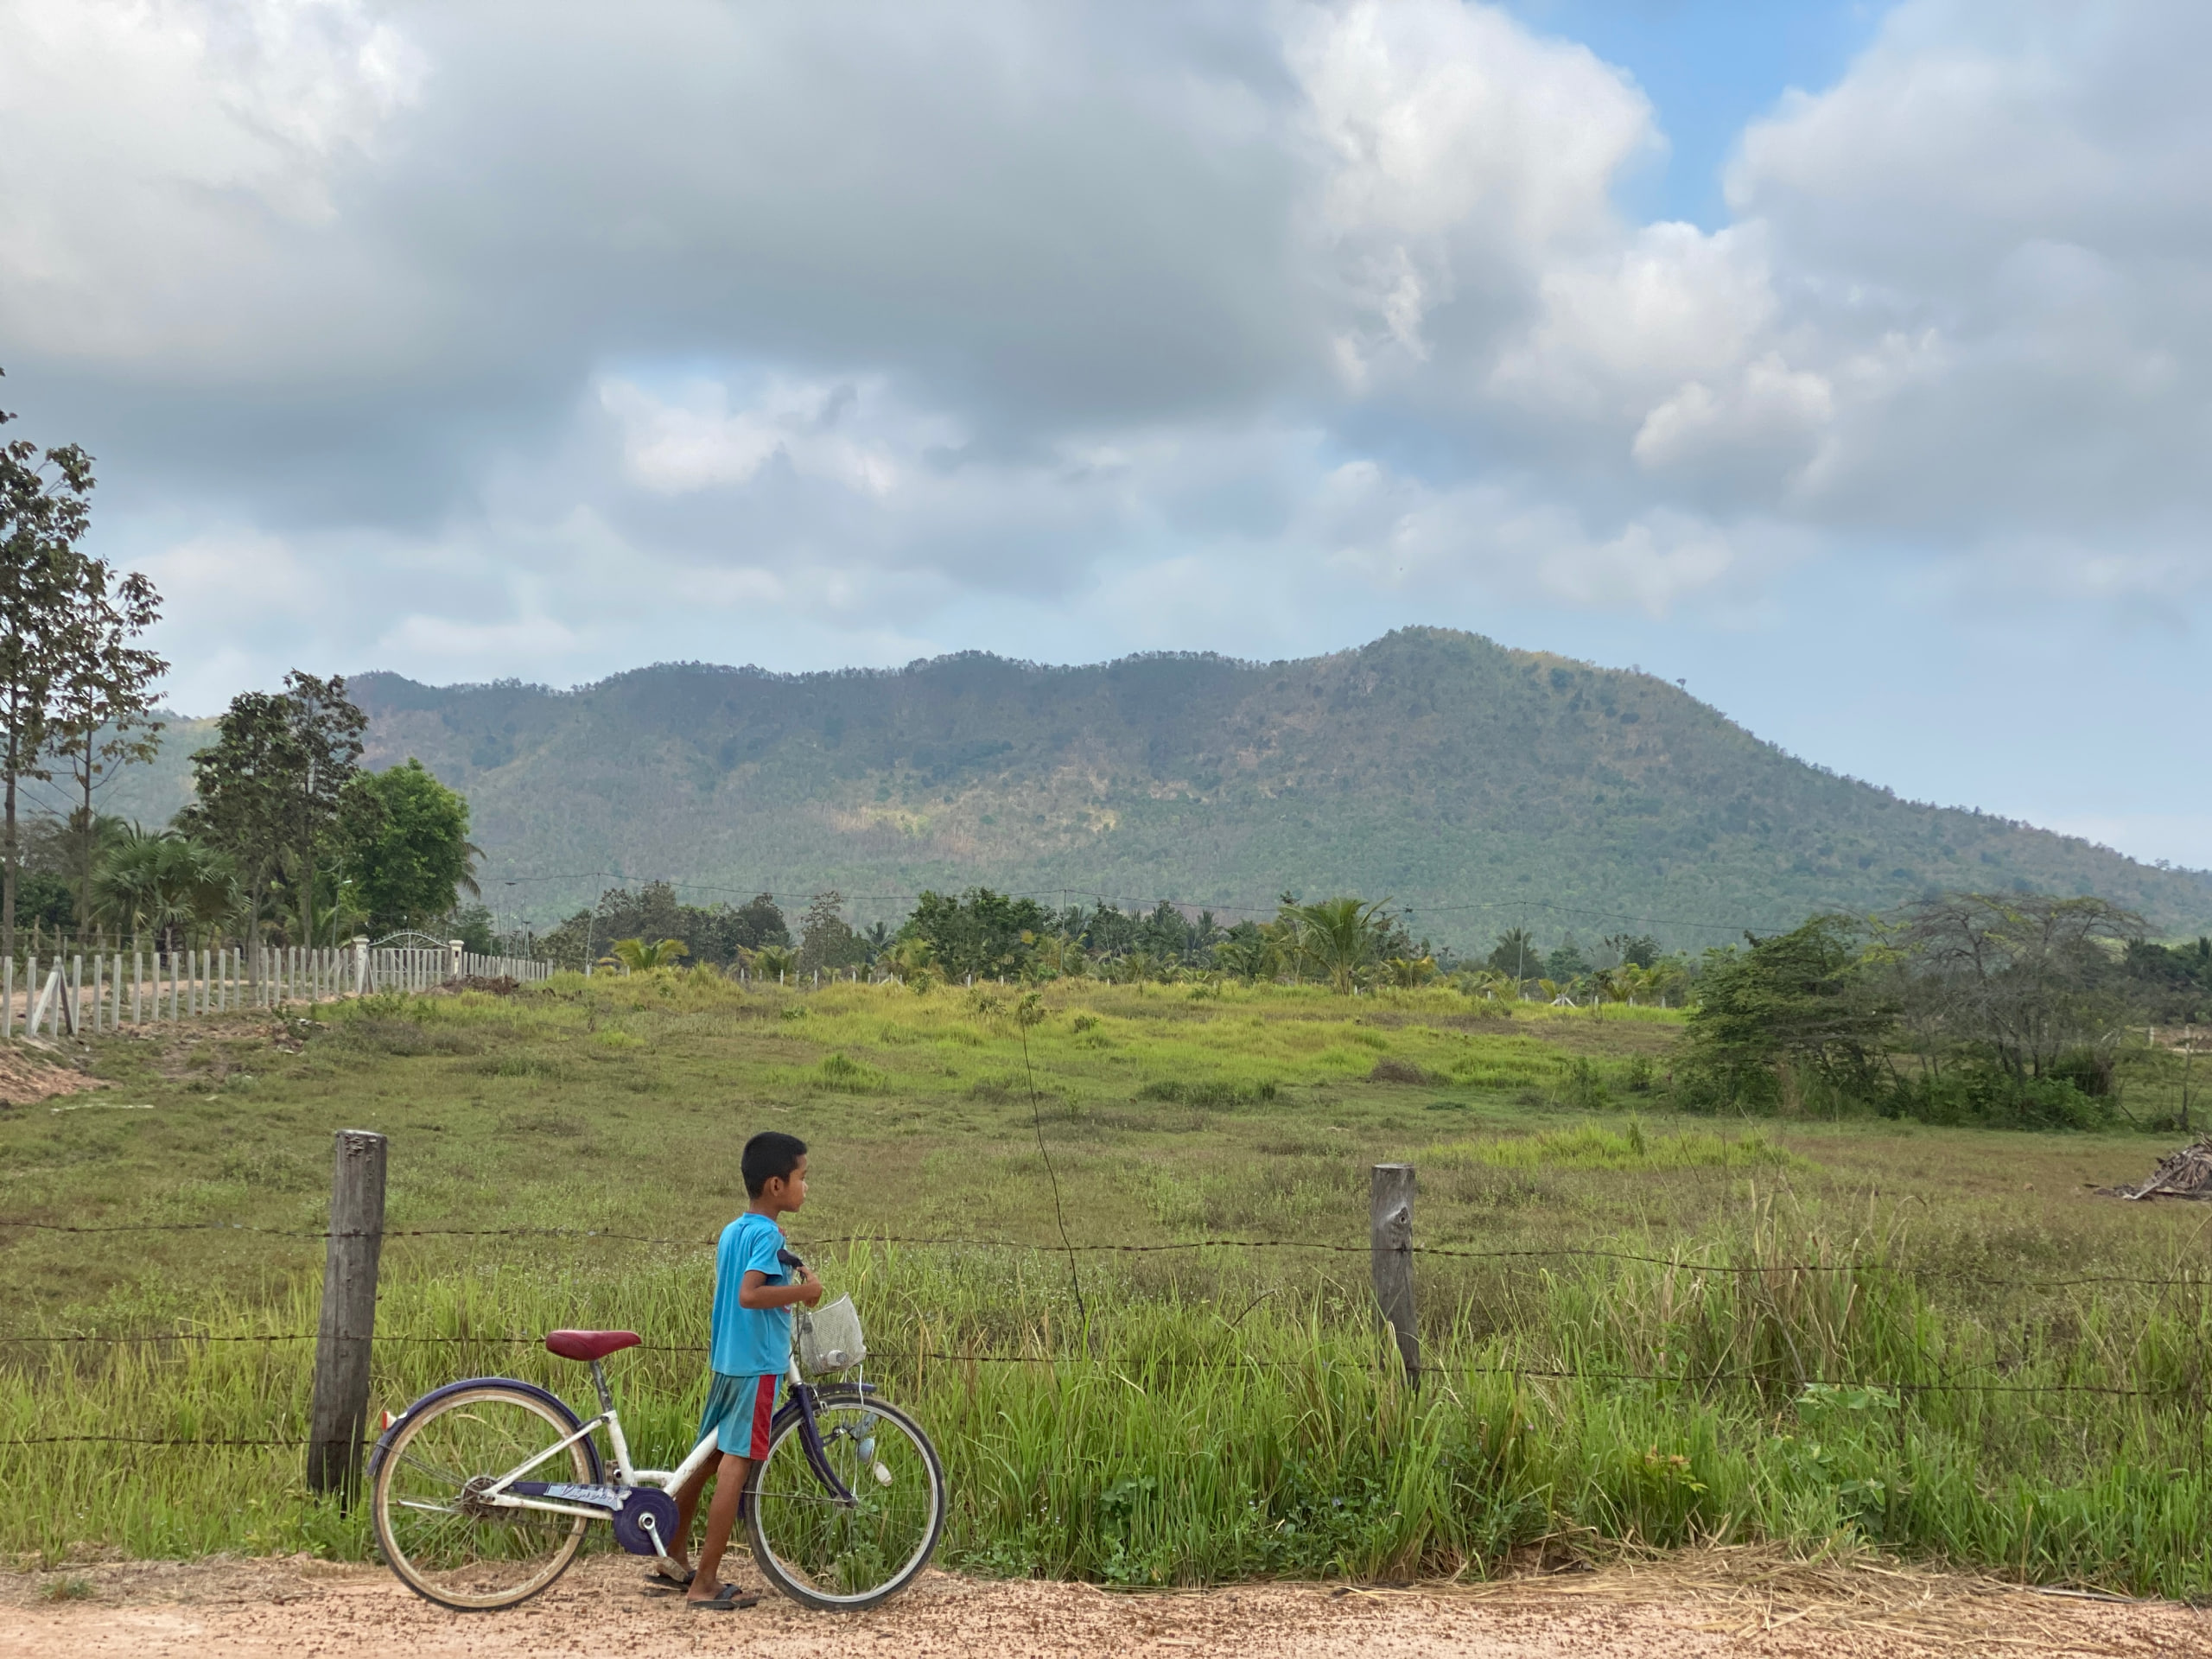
x=1410 y=973
x=775 y=961
x=907 y=961
x=163 y=883
x=1336 y=936
x=1247 y=959
x=639 y=956
x=1057 y=953
x=1487 y=984
x=1554 y=993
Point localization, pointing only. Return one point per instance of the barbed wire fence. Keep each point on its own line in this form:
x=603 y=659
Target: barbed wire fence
x=1390 y=1248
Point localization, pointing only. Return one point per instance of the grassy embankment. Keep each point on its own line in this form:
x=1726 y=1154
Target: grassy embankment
x=1222 y=1411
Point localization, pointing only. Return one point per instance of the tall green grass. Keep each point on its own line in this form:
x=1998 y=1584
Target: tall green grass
x=1200 y=1422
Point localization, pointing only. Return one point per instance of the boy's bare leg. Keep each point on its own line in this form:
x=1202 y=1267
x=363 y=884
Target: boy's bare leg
x=721 y=1516
x=687 y=1506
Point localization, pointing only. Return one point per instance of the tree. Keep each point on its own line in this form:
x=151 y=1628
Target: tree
x=163 y=883
x=1410 y=973
x=243 y=783
x=1336 y=936
x=979 y=932
x=911 y=962
x=1567 y=961
x=1807 y=1002
x=327 y=730
x=1516 y=954
x=776 y=962
x=272 y=787
x=1244 y=951
x=2021 y=978
x=639 y=957
x=1487 y=984
x=43 y=518
x=1633 y=950
x=472 y=926
x=826 y=941
x=104 y=692
x=405 y=847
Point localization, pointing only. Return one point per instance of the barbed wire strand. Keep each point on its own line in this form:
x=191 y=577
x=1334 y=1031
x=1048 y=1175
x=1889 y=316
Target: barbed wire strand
x=1449 y=1252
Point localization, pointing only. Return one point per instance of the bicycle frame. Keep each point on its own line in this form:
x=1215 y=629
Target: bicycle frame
x=598 y=1502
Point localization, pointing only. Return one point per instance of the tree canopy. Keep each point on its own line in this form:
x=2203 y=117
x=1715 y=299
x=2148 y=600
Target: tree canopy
x=405 y=850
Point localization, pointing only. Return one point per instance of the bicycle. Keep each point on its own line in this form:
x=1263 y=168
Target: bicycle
x=843 y=1513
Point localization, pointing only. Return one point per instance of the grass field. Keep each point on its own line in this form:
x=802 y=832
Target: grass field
x=1878 y=1358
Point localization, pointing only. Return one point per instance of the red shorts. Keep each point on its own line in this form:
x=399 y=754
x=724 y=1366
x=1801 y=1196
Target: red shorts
x=738 y=1412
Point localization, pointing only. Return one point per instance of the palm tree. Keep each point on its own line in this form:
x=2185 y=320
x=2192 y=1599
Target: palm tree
x=1410 y=973
x=638 y=957
x=1336 y=935
x=1245 y=959
x=907 y=961
x=1487 y=983
x=774 y=961
x=1554 y=993
x=160 y=882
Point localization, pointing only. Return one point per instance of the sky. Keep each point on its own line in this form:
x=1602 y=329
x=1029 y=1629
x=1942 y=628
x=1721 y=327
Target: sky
x=1848 y=363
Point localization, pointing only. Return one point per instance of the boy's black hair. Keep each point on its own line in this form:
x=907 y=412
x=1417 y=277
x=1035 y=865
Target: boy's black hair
x=767 y=1155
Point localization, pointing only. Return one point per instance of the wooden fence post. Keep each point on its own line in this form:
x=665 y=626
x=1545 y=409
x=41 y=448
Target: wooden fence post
x=349 y=1313
x=1391 y=1224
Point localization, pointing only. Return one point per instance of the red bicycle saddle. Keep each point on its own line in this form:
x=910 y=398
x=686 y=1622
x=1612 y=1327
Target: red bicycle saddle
x=588 y=1345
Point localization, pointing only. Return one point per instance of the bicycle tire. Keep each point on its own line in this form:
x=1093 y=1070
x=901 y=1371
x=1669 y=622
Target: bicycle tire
x=476 y=1560
x=822 y=1558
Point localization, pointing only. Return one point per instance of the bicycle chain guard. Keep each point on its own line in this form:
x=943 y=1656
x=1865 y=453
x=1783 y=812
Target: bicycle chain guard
x=627 y=1507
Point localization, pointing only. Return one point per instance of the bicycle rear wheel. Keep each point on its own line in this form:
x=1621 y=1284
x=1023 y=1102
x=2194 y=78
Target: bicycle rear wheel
x=444 y=1543
x=840 y=1558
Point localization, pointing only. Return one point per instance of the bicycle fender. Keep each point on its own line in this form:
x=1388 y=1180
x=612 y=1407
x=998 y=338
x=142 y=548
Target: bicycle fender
x=809 y=1437
x=546 y=1396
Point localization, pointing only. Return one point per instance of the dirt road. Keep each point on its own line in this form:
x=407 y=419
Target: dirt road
x=1718 y=1603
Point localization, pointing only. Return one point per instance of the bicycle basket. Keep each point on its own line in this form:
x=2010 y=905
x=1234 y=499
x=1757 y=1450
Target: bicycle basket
x=830 y=1338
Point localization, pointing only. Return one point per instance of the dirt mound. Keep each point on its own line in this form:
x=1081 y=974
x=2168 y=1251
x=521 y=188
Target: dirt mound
x=2183 y=1174
x=24 y=1078
x=491 y=984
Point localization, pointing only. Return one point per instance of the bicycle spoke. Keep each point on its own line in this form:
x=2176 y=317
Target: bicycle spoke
x=461 y=1550
x=835 y=1552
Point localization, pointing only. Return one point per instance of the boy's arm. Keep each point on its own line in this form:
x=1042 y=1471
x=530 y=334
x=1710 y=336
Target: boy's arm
x=754 y=1290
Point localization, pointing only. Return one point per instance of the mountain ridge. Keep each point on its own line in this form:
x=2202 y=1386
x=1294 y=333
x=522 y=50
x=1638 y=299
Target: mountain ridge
x=1441 y=768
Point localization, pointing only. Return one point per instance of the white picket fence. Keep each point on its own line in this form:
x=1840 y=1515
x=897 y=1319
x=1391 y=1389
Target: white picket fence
x=111 y=990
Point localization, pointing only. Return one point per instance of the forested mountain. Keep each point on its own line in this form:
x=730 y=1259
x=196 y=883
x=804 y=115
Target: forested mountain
x=1479 y=786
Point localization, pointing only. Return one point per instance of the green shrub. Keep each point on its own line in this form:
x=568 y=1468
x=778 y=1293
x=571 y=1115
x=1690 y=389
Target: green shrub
x=1584 y=1087
x=1986 y=1097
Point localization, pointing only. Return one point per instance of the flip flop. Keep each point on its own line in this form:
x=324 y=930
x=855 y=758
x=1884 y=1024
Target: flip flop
x=729 y=1598
x=660 y=1578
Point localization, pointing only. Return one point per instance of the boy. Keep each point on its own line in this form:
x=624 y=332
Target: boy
x=752 y=1352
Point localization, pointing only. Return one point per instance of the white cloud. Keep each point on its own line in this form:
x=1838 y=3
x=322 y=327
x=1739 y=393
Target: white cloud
x=1459 y=154
x=1997 y=231
x=821 y=323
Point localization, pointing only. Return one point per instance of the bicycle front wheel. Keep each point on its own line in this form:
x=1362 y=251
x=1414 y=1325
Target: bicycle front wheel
x=445 y=1543
x=838 y=1557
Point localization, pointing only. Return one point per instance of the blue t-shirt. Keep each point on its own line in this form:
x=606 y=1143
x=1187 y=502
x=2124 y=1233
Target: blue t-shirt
x=749 y=1341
